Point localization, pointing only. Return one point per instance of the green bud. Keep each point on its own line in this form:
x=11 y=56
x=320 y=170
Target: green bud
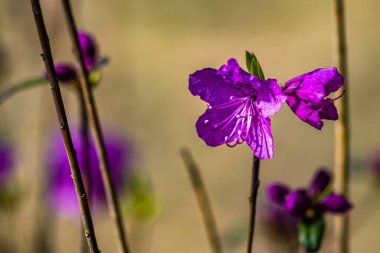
x=310 y=233
x=253 y=65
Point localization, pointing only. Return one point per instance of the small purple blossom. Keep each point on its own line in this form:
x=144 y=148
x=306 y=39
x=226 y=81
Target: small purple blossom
x=307 y=95
x=240 y=105
x=314 y=201
x=89 y=48
x=6 y=162
x=62 y=194
x=65 y=72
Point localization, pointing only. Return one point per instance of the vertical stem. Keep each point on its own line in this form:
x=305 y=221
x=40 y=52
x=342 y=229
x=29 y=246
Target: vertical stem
x=342 y=134
x=113 y=204
x=252 y=202
x=85 y=146
x=203 y=201
x=65 y=131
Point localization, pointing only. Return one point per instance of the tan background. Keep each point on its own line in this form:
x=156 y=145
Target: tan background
x=154 y=46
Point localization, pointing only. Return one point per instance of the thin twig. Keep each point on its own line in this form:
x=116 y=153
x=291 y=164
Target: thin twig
x=65 y=131
x=113 y=204
x=252 y=202
x=85 y=146
x=342 y=134
x=203 y=201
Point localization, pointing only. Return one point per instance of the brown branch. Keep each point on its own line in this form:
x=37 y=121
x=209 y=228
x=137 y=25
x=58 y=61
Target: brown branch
x=342 y=132
x=113 y=204
x=65 y=131
x=203 y=201
x=252 y=202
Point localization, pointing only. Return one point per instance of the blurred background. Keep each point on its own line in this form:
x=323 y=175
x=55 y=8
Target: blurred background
x=153 y=46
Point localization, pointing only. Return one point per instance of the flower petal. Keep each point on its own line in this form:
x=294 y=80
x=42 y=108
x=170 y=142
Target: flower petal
x=297 y=202
x=269 y=97
x=89 y=48
x=328 y=111
x=305 y=112
x=277 y=193
x=315 y=85
x=216 y=126
x=320 y=181
x=233 y=73
x=261 y=139
x=211 y=87
x=336 y=203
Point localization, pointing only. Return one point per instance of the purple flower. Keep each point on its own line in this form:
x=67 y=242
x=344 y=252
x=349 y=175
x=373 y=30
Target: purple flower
x=65 y=72
x=240 y=105
x=311 y=202
x=306 y=95
x=6 y=162
x=62 y=194
x=89 y=49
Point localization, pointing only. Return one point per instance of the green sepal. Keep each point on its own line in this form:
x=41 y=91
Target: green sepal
x=253 y=65
x=310 y=233
x=94 y=77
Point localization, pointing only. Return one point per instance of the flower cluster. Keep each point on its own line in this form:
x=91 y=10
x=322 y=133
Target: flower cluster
x=62 y=193
x=313 y=201
x=240 y=104
x=308 y=206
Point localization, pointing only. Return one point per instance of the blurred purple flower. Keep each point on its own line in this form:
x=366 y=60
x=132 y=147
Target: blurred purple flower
x=6 y=162
x=240 y=105
x=314 y=201
x=89 y=48
x=306 y=95
x=278 y=223
x=65 y=72
x=62 y=194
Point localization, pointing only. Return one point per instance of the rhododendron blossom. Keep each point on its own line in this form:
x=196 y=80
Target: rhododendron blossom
x=239 y=107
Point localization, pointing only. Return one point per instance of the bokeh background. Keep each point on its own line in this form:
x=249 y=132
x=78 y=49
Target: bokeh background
x=153 y=47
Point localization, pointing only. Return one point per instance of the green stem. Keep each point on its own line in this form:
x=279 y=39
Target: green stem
x=7 y=93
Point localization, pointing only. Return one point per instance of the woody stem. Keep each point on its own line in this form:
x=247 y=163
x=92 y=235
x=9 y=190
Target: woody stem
x=113 y=202
x=252 y=202
x=65 y=131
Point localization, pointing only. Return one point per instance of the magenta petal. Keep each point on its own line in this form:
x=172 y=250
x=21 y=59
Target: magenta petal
x=261 y=139
x=89 y=49
x=297 y=202
x=211 y=87
x=336 y=203
x=304 y=112
x=315 y=85
x=270 y=97
x=216 y=127
x=277 y=193
x=233 y=73
x=321 y=180
x=328 y=110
